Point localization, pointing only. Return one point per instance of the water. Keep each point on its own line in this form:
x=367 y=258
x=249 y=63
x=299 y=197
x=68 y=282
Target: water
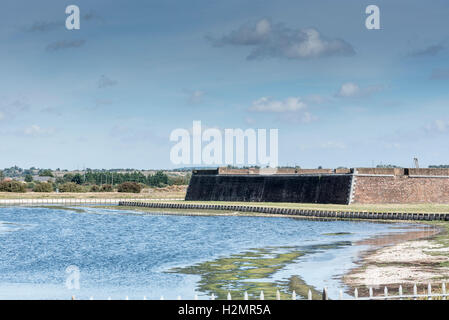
x=124 y=253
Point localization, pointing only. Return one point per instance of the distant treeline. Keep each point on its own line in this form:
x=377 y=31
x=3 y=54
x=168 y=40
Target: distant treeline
x=159 y=179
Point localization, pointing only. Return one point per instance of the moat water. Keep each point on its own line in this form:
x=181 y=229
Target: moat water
x=126 y=253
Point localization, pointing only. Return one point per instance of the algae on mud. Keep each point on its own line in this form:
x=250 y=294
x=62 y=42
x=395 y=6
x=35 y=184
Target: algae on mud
x=252 y=271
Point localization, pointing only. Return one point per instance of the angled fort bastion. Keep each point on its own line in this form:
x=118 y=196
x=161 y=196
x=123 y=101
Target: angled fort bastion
x=332 y=186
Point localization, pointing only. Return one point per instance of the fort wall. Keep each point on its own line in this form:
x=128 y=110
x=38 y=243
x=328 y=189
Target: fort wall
x=270 y=188
x=338 y=186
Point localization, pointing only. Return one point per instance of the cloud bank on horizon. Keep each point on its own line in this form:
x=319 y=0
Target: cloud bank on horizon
x=108 y=95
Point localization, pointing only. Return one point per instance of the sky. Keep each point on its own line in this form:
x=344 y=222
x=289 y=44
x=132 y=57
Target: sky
x=109 y=94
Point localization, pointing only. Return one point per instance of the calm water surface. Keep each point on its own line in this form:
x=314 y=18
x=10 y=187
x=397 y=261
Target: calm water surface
x=123 y=253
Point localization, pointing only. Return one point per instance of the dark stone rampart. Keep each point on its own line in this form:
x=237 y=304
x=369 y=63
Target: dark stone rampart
x=333 y=188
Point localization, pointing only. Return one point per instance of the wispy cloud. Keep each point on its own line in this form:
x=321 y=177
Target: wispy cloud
x=10 y=109
x=196 y=97
x=353 y=90
x=35 y=130
x=276 y=40
x=438 y=126
x=432 y=50
x=44 y=26
x=267 y=104
x=64 y=44
x=105 y=82
x=51 y=110
x=440 y=74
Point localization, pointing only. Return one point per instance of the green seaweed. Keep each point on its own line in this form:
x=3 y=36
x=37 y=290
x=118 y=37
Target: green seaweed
x=250 y=271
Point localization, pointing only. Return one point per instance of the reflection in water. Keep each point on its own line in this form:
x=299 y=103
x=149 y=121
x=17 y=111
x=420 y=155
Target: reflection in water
x=126 y=253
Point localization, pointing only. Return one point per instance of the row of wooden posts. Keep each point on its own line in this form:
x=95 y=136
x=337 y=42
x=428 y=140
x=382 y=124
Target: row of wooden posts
x=295 y=212
x=386 y=296
x=73 y=201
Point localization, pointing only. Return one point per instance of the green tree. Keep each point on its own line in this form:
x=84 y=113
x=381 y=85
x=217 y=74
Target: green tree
x=28 y=178
x=78 y=179
x=159 y=179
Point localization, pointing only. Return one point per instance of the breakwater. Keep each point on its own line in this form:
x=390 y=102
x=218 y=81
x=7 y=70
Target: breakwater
x=294 y=212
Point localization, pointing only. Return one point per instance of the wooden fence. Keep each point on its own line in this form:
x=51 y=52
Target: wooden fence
x=385 y=296
x=68 y=201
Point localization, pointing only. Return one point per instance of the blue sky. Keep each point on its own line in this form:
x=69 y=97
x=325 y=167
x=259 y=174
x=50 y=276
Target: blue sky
x=108 y=95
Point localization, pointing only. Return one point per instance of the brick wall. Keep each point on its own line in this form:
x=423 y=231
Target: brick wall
x=400 y=189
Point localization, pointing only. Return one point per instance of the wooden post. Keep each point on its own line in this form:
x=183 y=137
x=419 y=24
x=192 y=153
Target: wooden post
x=444 y=290
x=324 y=294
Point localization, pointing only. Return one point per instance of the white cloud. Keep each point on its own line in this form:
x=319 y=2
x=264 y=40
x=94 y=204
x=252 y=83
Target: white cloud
x=196 y=96
x=333 y=145
x=266 y=104
x=35 y=130
x=349 y=89
x=353 y=90
x=438 y=125
x=277 y=40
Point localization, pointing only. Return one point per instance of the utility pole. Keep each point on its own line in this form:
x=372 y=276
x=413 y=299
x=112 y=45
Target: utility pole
x=415 y=160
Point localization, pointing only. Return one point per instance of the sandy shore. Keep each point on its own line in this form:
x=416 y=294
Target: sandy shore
x=419 y=257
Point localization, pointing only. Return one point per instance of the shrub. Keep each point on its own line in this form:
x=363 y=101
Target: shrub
x=12 y=186
x=28 y=178
x=46 y=173
x=94 y=188
x=30 y=185
x=107 y=188
x=71 y=187
x=43 y=187
x=130 y=187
